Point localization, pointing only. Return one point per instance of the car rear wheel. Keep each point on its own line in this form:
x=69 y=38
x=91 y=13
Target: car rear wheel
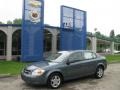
x=99 y=72
x=54 y=80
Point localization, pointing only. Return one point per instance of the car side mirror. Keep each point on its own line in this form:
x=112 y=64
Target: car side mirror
x=67 y=62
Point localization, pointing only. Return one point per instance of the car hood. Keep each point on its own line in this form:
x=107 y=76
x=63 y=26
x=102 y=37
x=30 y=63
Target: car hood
x=41 y=64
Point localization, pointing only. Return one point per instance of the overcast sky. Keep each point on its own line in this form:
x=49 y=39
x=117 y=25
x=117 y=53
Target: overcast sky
x=101 y=14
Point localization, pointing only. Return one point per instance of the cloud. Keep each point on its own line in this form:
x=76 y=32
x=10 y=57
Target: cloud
x=101 y=14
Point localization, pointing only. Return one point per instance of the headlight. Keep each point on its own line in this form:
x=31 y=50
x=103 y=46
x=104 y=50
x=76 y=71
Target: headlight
x=38 y=72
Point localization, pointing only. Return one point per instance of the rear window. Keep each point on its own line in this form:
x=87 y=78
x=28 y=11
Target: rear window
x=89 y=55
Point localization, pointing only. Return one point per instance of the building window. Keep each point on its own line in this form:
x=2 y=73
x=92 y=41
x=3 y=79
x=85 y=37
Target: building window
x=16 y=43
x=3 y=40
x=47 y=41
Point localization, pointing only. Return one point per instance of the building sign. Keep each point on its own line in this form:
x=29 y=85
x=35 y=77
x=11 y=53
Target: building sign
x=32 y=30
x=34 y=16
x=73 y=29
x=67 y=20
x=33 y=10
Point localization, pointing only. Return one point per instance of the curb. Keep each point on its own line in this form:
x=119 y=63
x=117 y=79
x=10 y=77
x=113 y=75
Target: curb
x=5 y=75
x=114 y=62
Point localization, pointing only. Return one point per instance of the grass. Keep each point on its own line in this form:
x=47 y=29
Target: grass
x=11 y=67
x=113 y=58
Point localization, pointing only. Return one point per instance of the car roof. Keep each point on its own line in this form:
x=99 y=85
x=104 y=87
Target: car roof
x=73 y=51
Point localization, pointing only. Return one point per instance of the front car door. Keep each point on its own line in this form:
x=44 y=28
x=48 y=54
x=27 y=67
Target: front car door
x=73 y=68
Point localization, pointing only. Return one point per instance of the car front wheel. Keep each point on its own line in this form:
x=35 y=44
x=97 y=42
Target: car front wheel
x=99 y=72
x=54 y=80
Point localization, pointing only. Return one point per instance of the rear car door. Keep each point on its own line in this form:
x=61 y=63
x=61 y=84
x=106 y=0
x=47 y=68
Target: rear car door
x=89 y=63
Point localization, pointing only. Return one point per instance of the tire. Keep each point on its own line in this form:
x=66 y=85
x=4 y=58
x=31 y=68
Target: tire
x=54 y=81
x=99 y=72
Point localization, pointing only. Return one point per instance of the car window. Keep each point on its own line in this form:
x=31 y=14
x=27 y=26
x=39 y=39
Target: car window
x=52 y=57
x=88 y=55
x=94 y=55
x=75 y=57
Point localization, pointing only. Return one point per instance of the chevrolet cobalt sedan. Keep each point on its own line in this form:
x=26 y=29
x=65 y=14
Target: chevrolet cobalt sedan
x=64 y=65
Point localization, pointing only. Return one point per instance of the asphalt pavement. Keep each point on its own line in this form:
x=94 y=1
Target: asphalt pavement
x=110 y=81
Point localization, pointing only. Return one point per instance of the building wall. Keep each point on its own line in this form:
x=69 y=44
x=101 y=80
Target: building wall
x=10 y=30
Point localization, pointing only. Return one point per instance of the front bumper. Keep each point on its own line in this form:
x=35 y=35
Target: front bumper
x=35 y=80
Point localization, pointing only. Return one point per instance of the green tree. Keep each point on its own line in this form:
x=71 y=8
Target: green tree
x=112 y=34
x=9 y=22
x=118 y=36
x=1 y=22
x=17 y=21
x=97 y=33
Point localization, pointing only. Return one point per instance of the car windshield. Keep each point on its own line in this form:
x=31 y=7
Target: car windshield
x=53 y=57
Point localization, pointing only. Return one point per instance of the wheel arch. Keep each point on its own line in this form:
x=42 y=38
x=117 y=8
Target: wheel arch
x=101 y=65
x=54 y=71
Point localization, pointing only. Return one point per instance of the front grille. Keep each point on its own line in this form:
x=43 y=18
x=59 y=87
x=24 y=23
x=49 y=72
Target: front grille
x=27 y=71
